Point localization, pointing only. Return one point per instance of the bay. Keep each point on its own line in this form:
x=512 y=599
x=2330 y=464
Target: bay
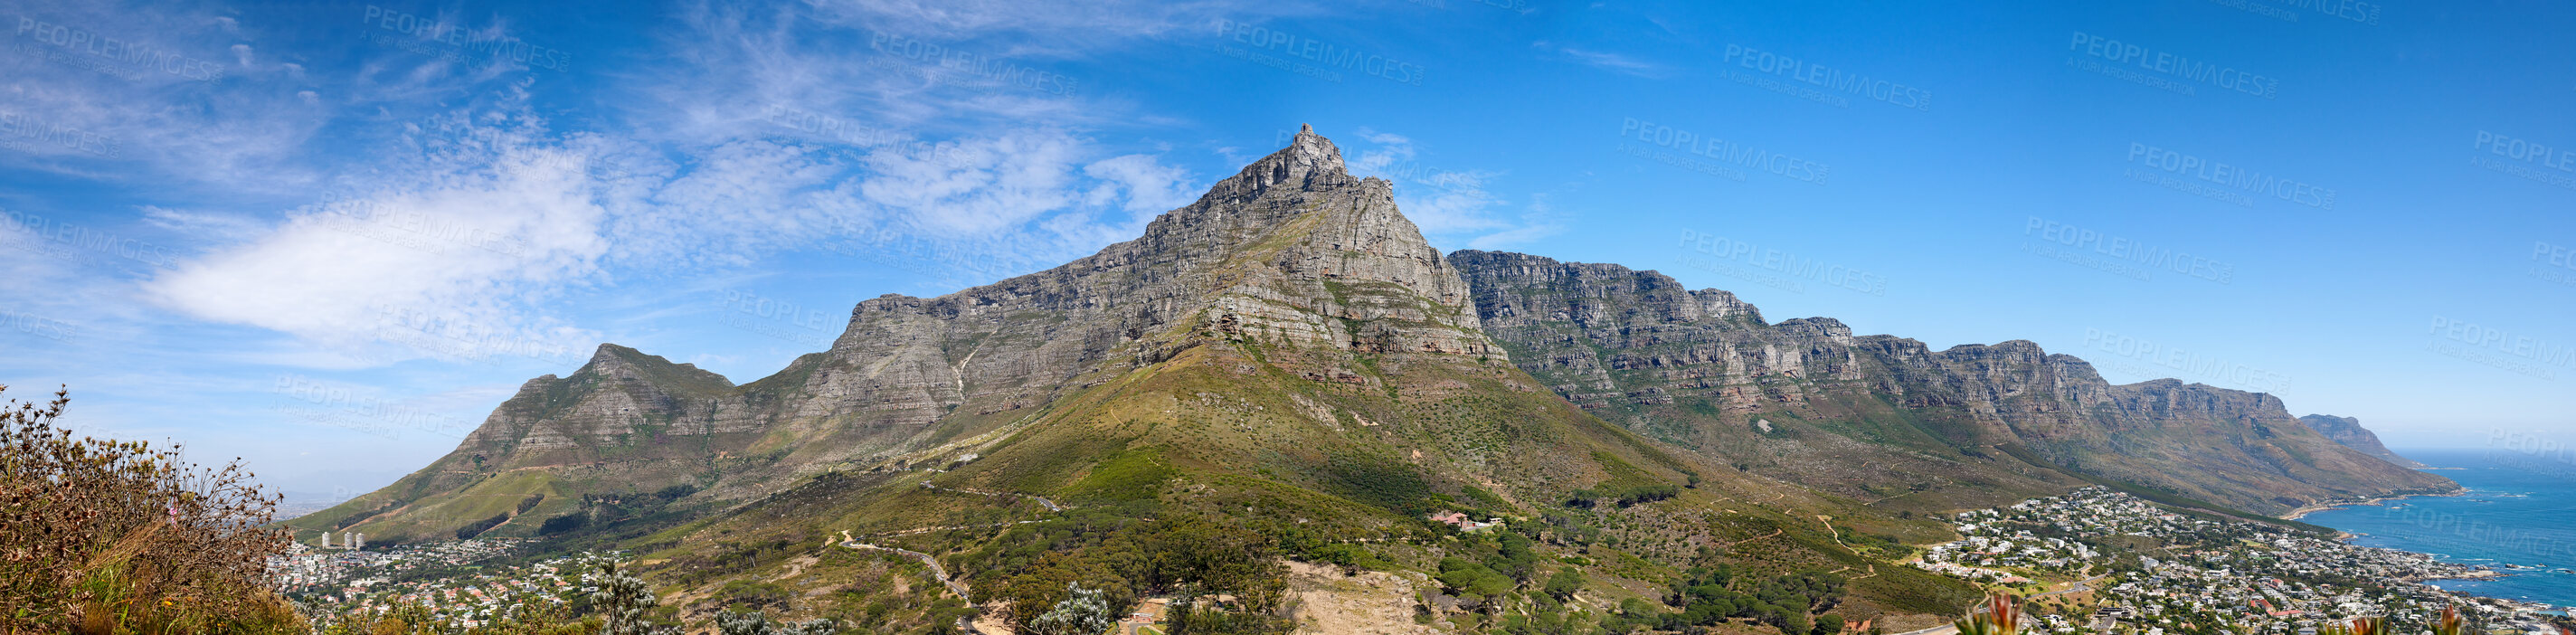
x=2518 y=516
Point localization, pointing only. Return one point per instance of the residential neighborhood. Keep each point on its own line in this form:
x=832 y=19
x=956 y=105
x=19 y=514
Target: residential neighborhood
x=2109 y=562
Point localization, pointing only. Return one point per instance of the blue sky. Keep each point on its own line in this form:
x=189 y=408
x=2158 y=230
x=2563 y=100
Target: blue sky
x=329 y=237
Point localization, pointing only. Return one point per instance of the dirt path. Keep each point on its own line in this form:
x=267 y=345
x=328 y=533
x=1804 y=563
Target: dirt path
x=1837 y=533
x=1050 y=505
x=969 y=623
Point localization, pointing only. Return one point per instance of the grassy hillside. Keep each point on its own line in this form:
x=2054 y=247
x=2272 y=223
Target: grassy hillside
x=1331 y=472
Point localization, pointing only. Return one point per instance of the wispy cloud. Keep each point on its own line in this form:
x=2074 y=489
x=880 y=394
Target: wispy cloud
x=1443 y=200
x=1613 y=62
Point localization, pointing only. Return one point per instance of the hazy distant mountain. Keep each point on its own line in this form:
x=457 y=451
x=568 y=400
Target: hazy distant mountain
x=2348 y=431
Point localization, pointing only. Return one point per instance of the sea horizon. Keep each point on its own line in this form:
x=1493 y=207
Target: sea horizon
x=2517 y=515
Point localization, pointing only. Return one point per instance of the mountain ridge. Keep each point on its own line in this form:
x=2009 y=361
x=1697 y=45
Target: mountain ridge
x=1289 y=354
x=1639 y=348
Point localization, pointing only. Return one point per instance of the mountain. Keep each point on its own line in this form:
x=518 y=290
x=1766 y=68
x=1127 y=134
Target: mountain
x=1285 y=367
x=1885 y=419
x=1286 y=355
x=2348 y=431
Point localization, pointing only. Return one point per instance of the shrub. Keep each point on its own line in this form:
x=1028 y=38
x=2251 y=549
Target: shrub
x=477 y=528
x=563 y=523
x=117 y=536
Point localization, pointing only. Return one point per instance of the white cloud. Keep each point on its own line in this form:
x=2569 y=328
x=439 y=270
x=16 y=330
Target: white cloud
x=1604 y=60
x=212 y=113
x=451 y=265
x=1447 y=203
x=1149 y=187
x=216 y=225
x=1541 y=221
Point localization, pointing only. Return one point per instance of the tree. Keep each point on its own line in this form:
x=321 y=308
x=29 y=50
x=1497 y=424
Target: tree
x=757 y=623
x=1828 y=625
x=1083 y=612
x=622 y=601
x=1563 y=585
x=1471 y=580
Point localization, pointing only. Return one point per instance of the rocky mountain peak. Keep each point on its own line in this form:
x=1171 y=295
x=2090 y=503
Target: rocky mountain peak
x=1310 y=162
x=626 y=365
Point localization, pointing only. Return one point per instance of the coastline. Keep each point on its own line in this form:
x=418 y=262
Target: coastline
x=2472 y=573
x=2312 y=508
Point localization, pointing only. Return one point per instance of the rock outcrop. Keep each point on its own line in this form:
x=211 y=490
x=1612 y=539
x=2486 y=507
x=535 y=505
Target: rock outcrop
x=2348 y=431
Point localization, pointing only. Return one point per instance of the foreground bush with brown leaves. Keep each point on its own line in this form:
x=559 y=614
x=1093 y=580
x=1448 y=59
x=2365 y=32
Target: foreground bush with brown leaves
x=110 y=537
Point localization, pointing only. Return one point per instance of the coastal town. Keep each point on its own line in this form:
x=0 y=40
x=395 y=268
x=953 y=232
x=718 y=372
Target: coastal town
x=454 y=580
x=2100 y=561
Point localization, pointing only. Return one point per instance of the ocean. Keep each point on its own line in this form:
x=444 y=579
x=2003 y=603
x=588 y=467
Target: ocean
x=2519 y=516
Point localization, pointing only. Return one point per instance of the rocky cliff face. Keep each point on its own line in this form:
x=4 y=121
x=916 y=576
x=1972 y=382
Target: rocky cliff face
x=2348 y=431
x=1703 y=369
x=1291 y=252
x=1294 y=287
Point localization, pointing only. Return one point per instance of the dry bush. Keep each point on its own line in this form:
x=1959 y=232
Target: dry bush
x=103 y=536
